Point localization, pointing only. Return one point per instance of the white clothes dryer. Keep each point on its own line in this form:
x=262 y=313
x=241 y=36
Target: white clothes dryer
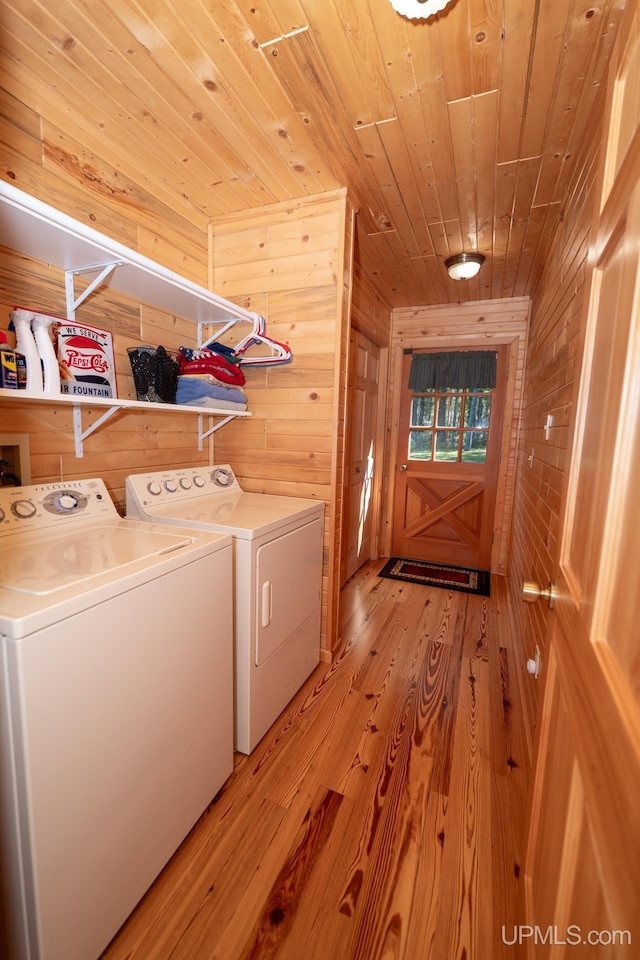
x=116 y=713
x=278 y=580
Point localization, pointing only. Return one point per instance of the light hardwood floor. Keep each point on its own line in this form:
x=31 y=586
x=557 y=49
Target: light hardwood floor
x=380 y=816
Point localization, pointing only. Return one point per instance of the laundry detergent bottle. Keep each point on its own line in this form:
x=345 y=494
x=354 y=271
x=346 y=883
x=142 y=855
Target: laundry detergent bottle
x=41 y=326
x=26 y=345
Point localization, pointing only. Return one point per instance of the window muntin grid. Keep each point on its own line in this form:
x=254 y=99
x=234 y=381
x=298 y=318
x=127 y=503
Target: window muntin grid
x=450 y=425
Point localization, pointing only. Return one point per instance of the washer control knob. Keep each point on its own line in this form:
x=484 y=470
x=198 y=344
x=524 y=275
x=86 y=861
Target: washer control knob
x=199 y=482
x=67 y=501
x=154 y=488
x=23 y=509
x=222 y=477
x=185 y=483
x=170 y=486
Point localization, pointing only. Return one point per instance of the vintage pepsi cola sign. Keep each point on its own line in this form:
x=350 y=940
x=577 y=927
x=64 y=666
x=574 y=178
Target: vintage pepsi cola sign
x=86 y=360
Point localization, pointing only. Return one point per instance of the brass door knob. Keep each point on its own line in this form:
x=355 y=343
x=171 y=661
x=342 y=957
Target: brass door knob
x=532 y=591
x=403 y=466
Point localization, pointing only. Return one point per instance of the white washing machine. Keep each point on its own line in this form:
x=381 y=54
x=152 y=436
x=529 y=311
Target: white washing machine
x=116 y=720
x=278 y=580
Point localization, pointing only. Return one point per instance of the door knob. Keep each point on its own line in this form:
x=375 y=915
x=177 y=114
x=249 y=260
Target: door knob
x=532 y=591
x=403 y=466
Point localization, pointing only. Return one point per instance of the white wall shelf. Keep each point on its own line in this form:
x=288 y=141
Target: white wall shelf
x=39 y=231
x=33 y=228
x=113 y=405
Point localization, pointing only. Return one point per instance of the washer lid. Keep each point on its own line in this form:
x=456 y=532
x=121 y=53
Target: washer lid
x=245 y=515
x=42 y=565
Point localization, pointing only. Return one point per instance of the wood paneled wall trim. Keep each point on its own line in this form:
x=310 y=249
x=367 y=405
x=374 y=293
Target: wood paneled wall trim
x=479 y=325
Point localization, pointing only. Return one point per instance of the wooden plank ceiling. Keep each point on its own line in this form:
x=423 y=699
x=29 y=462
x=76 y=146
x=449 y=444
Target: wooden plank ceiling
x=456 y=133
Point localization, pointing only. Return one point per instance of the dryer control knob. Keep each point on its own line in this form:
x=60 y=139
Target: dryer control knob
x=154 y=488
x=170 y=486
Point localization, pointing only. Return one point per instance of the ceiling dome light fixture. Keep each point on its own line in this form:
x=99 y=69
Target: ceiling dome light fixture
x=418 y=9
x=464 y=266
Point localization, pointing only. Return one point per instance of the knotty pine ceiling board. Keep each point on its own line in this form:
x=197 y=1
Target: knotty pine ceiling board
x=461 y=132
x=254 y=141
x=485 y=120
x=548 y=44
x=451 y=37
x=386 y=170
x=301 y=68
x=344 y=31
x=485 y=43
x=518 y=30
x=265 y=117
x=164 y=85
x=408 y=181
x=269 y=19
x=192 y=88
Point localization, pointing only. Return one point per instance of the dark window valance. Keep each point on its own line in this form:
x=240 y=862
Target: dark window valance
x=470 y=370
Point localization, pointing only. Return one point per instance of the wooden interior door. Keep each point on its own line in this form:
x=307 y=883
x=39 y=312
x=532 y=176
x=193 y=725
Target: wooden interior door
x=363 y=405
x=444 y=509
x=582 y=867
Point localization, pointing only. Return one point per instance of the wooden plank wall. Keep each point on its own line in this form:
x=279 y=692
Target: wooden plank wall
x=39 y=155
x=555 y=342
x=370 y=313
x=291 y=262
x=480 y=325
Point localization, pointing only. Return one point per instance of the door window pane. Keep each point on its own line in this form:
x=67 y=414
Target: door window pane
x=477 y=411
x=474 y=446
x=446 y=445
x=420 y=443
x=422 y=411
x=449 y=410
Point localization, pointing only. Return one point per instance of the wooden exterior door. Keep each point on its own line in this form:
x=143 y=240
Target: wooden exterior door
x=361 y=455
x=445 y=492
x=582 y=871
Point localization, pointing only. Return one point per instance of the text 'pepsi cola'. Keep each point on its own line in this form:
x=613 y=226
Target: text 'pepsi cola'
x=86 y=360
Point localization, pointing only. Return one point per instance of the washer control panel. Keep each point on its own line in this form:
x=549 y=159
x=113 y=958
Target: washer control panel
x=150 y=488
x=45 y=504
